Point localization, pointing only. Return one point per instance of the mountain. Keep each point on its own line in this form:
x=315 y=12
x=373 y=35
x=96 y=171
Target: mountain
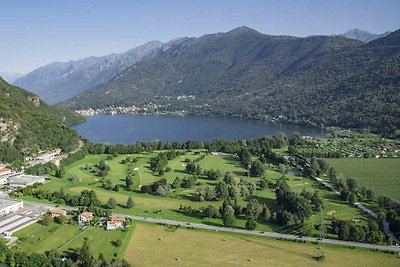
x=363 y=36
x=11 y=76
x=28 y=125
x=58 y=81
x=318 y=80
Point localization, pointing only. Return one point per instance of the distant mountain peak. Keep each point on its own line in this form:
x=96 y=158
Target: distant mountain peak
x=242 y=29
x=363 y=35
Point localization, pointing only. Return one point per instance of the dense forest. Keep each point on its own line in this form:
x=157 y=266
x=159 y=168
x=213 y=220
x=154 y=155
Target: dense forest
x=29 y=125
x=317 y=80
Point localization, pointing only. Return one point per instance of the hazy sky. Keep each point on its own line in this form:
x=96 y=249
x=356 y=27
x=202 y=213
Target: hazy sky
x=36 y=32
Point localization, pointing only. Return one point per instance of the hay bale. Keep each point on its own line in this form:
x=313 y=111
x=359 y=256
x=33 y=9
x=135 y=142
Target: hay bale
x=224 y=239
x=160 y=238
x=178 y=259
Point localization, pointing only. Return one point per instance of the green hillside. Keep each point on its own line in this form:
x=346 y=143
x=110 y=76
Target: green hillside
x=28 y=125
x=320 y=80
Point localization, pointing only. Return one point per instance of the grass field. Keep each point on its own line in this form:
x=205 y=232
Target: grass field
x=383 y=175
x=39 y=238
x=152 y=245
x=167 y=207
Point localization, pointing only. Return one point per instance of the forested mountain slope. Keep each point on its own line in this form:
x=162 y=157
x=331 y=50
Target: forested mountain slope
x=28 y=125
x=322 y=80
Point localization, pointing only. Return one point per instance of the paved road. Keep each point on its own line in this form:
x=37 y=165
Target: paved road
x=240 y=231
x=385 y=224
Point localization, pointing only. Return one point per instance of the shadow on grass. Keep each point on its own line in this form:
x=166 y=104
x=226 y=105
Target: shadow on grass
x=271 y=203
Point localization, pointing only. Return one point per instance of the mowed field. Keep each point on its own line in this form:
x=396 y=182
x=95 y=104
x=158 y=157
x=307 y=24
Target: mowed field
x=153 y=245
x=38 y=238
x=383 y=175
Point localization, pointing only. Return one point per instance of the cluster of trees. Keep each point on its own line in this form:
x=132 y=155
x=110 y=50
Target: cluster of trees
x=390 y=210
x=87 y=198
x=193 y=168
x=296 y=208
x=347 y=230
x=159 y=163
x=186 y=182
x=41 y=169
x=229 y=188
x=265 y=155
x=103 y=168
x=160 y=187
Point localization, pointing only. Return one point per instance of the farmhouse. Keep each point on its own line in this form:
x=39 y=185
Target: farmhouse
x=9 y=206
x=58 y=213
x=85 y=217
x=115 y=223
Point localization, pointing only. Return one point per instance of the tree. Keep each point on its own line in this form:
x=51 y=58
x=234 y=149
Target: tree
x=59 y=173
x=60 y=219
x=257 y=168
x=370 y=194
x=253 y=208
x=128 y=181
x=209 y=194
x=282 y=169
x=221 y=190
x=352 y=184
x=228 y=216
x=130 y=203
x=211 y=212
x=85 y=256
x=176 y=183
x=251 y=223
x=316 y=201
x=111 y=203
x=229 y=179
x=352 y=198
x=47 y=219
x=265 y=214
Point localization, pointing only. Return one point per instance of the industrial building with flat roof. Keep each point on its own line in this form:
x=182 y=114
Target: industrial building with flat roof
x=8 y=206
x=25 y=180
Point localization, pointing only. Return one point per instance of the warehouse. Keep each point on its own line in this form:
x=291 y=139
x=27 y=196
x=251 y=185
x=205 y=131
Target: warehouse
x=9 y=206
x=25 y=180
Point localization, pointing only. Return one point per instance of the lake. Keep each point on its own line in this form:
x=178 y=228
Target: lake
x=128 y=129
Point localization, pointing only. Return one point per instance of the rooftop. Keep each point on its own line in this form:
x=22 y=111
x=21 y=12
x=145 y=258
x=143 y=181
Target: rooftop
x=4 y=203
x=24 y=179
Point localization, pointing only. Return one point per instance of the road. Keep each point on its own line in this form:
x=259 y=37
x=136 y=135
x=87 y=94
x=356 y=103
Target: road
x=385 y=224
x=239 y=231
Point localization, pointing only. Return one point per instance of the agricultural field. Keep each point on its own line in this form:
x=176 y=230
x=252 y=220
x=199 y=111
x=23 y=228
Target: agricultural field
x=155 y=245
x=38 y=238
x=168 y=206
x=382 y=175
x=341 y=143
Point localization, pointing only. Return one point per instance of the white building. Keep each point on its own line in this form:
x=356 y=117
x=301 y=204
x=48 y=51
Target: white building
x=85 y=217
x=115 y=223
x=9 y=206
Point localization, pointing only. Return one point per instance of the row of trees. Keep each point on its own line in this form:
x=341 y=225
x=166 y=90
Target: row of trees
x=253 y=144
x=82 y=257
x=346 y=230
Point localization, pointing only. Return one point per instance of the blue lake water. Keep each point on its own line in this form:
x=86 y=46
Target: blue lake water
x=128 y=129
